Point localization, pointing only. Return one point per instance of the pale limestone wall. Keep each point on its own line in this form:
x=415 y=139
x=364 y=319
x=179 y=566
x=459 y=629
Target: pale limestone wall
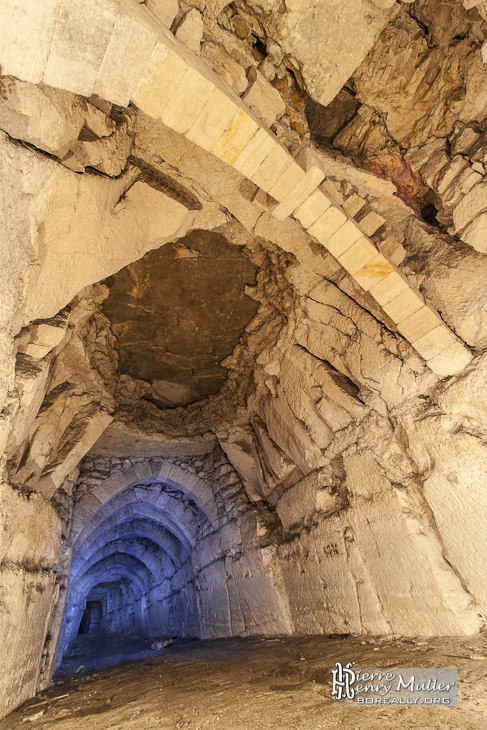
x=30 y=542
x=369 y=480
x=353 y=495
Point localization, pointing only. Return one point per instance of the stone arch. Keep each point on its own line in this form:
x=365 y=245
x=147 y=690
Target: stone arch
x=198 y=105
x=136 y=527
x=143 y=512
x=182 y=524
x=152 y=560
x=141 y=532
x=115 y=562
x=143 y=476
x=129 y=566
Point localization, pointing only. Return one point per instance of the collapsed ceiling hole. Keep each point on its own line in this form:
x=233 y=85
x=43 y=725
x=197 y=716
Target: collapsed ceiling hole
x=178 y=312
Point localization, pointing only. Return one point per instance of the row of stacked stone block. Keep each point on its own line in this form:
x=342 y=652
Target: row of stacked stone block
x=123 y=53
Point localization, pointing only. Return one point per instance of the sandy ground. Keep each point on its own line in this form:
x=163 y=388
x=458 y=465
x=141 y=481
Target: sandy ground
x=254 y=684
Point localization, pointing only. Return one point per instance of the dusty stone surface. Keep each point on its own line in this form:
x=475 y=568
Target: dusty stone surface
x=190 y=30
x=47 y=118
x=225 y=66
x=257 y=683
x=265 y=101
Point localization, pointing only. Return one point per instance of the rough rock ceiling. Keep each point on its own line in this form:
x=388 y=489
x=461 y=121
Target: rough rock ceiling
x=178 y=312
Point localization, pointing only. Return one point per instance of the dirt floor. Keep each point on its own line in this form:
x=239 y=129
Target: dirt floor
x=254 y=684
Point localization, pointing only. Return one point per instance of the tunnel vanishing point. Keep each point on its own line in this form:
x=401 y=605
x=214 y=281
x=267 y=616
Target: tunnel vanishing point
x=243 y=303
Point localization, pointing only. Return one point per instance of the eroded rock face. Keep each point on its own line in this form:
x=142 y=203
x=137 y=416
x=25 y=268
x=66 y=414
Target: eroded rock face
x=213 y=427
x=178 y=312
x=329 y=39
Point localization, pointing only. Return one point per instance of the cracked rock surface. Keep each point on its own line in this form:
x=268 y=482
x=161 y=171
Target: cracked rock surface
x=210 y=428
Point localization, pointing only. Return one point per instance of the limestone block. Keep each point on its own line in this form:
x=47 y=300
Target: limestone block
x=272 y=168
x=354 y=204
x=460 y=186
x=160 y=79
x=190 y=30
x=209 y=549
x=45 y=335
x=225 y=66
x=319 y=378
x=212 y=120
x=87 y=432
x=312 y=495
x=290 y=236
x=35 y=351
x=28 y=598
x=373 y=272
x=324 y=580
x=161 y=217
x=26 y=31
x=164 y=10
x=289 y=179
x=303 y=278
x=83 y=30
x=263 y=98
x=125 y=59
x=299 y=193
x=220 y=181
x=108 y=155
x=358 y=255
x=335 y=416
x=463 y=142
x=235 y=138
x=469 y=4
x=98 y=123
x=279 y=464
x=476 y=233
x=431 y=171
x=419 y=323
x=187 y=102
x=258 y=149
x=49 y=119
x=143 y=470
x=393 y=519
x=329 y=186
x=434 y=342
x=290 y=434
x=303 y=405
x=371 y=223
x=312 y=208
x=450 y=361
x=329 y=39
x=419 y=156
x=457 y=165
x=213 y=597
x=393 y=249
x=458 y=507
x=402 y=306
x=343 y=238
x=162 y=500
x=389 y=287
x=327 y=224
x=472 y=204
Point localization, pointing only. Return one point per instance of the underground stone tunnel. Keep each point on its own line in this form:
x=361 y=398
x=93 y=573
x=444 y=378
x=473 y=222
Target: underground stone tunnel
x=243 y=358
